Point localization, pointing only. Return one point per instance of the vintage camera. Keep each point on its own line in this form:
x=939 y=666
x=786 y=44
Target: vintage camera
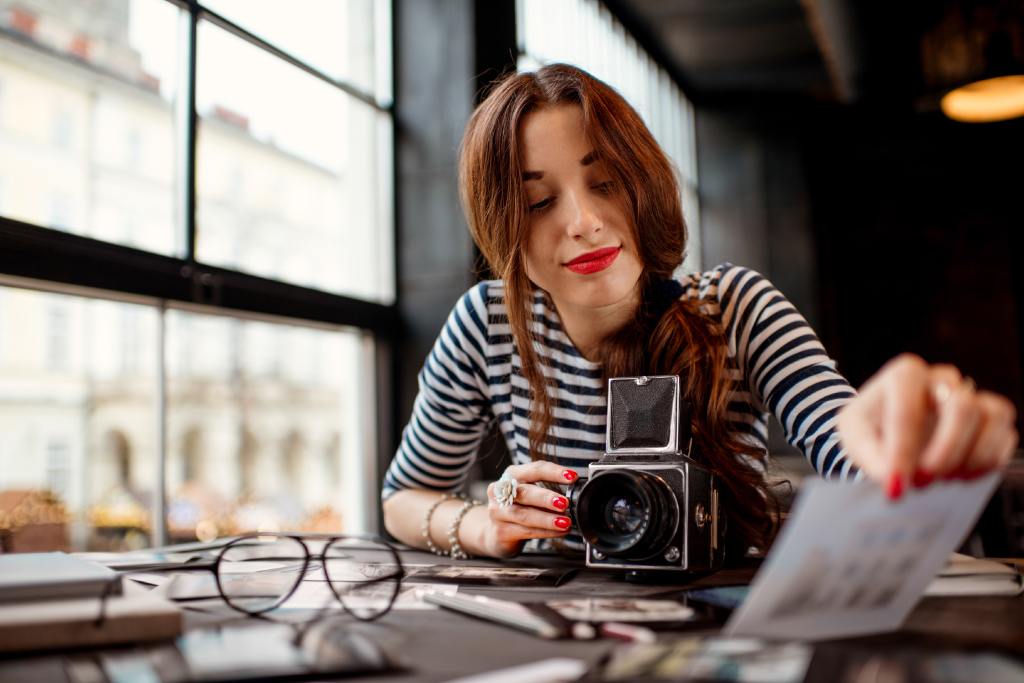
x=646 y=504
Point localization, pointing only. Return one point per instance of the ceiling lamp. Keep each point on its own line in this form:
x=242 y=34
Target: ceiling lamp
x=992 y=99
x=972 y=58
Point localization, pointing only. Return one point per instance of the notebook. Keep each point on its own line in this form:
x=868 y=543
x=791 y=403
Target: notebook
x=53 y=576
x=62 y=624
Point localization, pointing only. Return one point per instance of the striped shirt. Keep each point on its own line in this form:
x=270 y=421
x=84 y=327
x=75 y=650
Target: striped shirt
x=473 y=378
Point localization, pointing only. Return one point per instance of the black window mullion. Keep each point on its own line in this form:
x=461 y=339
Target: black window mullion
x=186 y=120
x=44 y=254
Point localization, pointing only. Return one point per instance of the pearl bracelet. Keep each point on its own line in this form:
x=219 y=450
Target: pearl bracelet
x=431 y=546
x=455 y=550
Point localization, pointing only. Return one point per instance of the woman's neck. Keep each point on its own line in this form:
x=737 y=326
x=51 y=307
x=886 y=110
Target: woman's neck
x=587 y=328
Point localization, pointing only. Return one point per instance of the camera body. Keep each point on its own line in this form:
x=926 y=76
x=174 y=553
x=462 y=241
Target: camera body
x=646 y=504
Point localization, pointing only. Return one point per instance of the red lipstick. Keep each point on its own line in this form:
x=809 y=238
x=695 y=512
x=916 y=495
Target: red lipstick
x=594 y=261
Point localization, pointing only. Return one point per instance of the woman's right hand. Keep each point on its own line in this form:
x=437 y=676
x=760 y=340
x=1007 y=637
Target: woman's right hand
x=537 y=512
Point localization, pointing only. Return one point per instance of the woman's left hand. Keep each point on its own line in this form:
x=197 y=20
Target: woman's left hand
x=912 y=423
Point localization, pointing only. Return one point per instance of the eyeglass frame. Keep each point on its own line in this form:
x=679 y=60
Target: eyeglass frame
x=309 y=555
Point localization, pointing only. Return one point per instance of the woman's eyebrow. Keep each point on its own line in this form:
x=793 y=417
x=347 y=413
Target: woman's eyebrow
x=533 y=175
x=590 y=158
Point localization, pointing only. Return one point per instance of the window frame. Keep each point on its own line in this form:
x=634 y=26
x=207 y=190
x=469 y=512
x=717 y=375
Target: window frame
x=45 y=259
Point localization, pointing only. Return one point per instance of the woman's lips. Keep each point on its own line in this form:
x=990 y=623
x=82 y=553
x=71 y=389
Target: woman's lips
x=593 y=261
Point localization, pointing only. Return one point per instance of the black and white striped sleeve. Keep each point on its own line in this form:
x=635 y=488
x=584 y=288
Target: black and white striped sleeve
x=787 y=369
x=452 y=410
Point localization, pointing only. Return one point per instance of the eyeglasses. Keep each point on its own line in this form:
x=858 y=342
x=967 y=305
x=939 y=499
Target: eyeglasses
x=259 y=572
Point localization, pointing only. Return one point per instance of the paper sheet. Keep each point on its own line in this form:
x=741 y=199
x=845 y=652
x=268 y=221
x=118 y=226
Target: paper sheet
x=552 y=670
x=849 y=561
x=317 y=594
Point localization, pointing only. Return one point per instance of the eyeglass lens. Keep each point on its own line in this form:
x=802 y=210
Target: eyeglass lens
x=365 y=574
x=257 y=573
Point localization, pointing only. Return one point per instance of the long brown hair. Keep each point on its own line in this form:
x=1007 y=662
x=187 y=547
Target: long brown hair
x=674 y=338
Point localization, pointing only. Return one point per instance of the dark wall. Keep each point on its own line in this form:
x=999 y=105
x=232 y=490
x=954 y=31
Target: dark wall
x=755 y=209
x=434 y=63
x=754 y=202
x=918 y=222
x=891 y=232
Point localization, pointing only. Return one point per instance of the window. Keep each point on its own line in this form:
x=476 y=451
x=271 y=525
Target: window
x=58 y=467
x=58 y=341
x=81 y=428
x=599 y=44
x=133 y=147
x=223 y=249
x=63 y=132
x=289 y=169
x=62 y=211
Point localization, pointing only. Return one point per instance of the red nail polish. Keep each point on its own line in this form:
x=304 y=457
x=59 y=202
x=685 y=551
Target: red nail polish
x=560 y=503
x=563 y=522
x=895 y=488
x=569 y=475
x=958 y=473
x=923 y=478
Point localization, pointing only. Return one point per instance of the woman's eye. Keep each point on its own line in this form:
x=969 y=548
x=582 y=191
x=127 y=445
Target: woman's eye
x=542 y=204
x=606 y=186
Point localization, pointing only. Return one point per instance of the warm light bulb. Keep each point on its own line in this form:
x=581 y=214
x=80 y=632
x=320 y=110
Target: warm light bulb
x=994 y=99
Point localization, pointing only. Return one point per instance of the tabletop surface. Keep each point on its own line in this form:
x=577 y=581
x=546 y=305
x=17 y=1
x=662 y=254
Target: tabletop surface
x=441 y=645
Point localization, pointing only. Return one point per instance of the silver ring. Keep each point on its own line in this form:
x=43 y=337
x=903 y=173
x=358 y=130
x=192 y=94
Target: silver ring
x=505 y=490
x=942 y=391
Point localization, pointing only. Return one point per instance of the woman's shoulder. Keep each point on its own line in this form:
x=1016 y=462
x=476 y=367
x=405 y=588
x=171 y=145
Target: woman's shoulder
x=483 y=294
x=490 y=295
x=483 y=304
x=719 y=282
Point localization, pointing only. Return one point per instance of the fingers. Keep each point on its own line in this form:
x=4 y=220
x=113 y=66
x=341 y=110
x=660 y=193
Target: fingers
x=884 y=427
x=987 y=439
x=529 y=495
x=904 y=417
x=541 y=470
x=530 y=522
x=958 y=420
x=861 y=436
x=912 y=423
x=536 y=512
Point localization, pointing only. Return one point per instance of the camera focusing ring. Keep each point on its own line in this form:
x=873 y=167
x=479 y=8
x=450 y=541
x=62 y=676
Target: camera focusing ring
x=626 y=513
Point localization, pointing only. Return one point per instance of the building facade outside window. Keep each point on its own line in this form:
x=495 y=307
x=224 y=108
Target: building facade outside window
x=200 y=404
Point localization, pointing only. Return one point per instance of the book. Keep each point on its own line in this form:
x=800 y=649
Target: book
x=49 y=576
x=965 y=575
x=62 y=624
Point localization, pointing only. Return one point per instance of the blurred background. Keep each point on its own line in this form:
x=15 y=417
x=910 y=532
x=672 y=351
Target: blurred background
x=229 y=230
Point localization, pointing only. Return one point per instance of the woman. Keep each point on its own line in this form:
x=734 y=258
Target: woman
x=577 y=209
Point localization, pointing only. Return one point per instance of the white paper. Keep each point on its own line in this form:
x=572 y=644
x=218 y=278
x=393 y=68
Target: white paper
x=338 y=567
x=318 y=594
x=545 y=671
x=248 y=567
x=849 y=561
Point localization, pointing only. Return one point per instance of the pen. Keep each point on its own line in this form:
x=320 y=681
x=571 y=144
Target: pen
x=499 y=611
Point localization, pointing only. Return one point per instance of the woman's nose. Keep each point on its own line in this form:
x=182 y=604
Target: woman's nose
x=584 y=219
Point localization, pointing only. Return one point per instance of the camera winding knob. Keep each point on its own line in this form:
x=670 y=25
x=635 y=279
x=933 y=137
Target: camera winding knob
x=700 y=516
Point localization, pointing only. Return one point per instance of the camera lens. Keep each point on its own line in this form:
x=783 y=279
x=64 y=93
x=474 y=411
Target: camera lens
x=627 y=514
x=623 y=515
